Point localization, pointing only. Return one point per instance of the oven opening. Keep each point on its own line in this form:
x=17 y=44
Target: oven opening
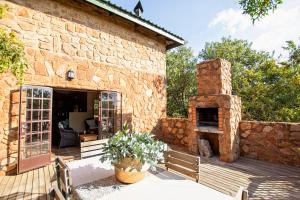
x=207 y=117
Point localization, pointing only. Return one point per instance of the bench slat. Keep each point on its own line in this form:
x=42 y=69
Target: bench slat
x=183 y=163
x=91 y=143
x=184 y=156
x=181 y=170
x=91 y=148
x=91 y=153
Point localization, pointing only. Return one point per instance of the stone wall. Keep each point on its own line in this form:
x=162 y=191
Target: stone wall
x=273 y=142
x=106 y=53
x=175 y=131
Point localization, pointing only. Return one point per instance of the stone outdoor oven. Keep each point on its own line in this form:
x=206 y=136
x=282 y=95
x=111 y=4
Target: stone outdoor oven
x=214 y=114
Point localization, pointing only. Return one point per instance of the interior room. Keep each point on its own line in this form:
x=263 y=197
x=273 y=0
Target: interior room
x=74 y=113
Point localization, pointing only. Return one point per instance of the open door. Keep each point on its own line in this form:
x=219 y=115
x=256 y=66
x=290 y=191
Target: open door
x=34 y=127
x=110 y=113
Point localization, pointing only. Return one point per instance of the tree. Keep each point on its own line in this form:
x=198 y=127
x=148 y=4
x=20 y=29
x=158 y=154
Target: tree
x=181 y=80
x=294 y=54
x=269 y=91
x=259 y=8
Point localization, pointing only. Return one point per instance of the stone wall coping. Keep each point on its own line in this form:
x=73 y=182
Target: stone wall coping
x=208 y=61
x=175 y=118
x=269 y=122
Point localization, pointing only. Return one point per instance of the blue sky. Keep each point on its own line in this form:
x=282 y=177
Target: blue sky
x=200 y=21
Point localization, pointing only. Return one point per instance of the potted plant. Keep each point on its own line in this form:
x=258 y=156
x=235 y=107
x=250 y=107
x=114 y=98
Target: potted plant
x=132 y=153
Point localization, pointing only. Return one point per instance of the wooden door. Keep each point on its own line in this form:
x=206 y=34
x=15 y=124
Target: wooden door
x=110 y=113
x=34 y=127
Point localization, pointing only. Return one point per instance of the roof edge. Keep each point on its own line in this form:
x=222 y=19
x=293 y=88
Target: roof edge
x=142 y=22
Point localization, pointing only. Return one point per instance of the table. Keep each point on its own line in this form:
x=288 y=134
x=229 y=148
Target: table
x=88 y=137
x=156 y=185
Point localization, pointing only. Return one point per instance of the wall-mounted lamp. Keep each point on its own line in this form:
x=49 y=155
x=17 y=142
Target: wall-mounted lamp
x=70 y=74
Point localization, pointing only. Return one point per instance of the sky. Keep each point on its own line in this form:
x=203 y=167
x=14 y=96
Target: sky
x=200 y=21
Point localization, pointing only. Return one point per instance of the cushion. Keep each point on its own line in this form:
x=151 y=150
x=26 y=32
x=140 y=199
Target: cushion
x=88 y=170
x=91 y=123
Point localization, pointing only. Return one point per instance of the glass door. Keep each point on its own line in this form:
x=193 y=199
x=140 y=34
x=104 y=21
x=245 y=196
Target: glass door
x=110 y=113
x=35 y=127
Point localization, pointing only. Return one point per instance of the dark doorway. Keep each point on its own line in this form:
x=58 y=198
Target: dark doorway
x=70 y=110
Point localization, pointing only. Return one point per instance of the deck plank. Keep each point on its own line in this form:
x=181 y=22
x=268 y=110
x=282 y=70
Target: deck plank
x=47 y=181
x=3 y=184
x=22 y=186
x=42 y=184
x=14 y=190
x=8 y=187
x=35 y=184
x=263 y=180
x=28 y=186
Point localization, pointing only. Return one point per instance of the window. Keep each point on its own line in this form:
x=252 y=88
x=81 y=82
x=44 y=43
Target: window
x=110 y=113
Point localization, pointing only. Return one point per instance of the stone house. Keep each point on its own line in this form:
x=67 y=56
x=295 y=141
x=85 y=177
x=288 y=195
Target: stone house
x=88 y=59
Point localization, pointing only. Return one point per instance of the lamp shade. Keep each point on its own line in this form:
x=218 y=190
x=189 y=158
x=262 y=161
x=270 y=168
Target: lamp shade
x=70 y=74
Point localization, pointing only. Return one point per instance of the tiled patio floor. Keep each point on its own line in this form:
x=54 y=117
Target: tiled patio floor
x=263 y=180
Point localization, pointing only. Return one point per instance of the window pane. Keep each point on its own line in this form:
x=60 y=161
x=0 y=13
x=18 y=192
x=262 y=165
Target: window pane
x=46 y=93
x=46 y=126
x=27 y=152
x=104 y=125
x=111 y=105
x=111 y=122
x=45 y=115
x=35 y=150
x=104 y=104
x=46 y=104
x=104 y=113
x=29 y=92
x=37 y=103
x=45 y=148
x=45 y=137
x=28 y=103
x=112 y=96
x=28 y=139
x=36 y=138
x=28 y=126
x=36 y=115
x=37 y=93
x=36 y=126
x=104 y=96
x=111 y=113
x=28 y=115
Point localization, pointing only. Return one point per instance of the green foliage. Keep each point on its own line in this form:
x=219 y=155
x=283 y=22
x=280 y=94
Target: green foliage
x=259 y=8
x=269 y=91
x=294 y=54
x=3 y=10
x=12 y=56
x=181 y=80
x=127 y=144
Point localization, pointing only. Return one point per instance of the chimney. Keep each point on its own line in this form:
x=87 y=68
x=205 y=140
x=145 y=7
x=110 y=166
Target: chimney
x=138 y=9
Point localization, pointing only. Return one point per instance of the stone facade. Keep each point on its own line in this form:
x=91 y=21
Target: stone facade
x=106 y=53
x=274 y=142
x=213 y=79
x=229 y=113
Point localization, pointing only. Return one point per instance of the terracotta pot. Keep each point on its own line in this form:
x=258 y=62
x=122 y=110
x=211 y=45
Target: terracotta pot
x=129 y=171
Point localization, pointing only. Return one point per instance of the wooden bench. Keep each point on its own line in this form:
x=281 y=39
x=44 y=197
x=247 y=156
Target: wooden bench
x=63 y=189
x=183 y=163
x=91 y=148
x=242 y=194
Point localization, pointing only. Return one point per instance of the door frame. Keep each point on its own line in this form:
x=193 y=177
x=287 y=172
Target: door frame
x=39 y=160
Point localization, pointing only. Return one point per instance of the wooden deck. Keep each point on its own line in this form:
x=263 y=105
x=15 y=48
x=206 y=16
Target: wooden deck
x=263 y=180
